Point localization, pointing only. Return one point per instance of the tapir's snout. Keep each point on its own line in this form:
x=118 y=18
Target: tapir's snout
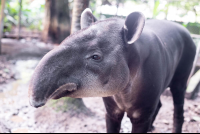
x=36 y=104
x=37 y=99
x=51 y=79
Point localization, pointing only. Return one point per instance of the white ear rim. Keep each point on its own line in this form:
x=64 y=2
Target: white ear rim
x=87 y=10
x=137 y=34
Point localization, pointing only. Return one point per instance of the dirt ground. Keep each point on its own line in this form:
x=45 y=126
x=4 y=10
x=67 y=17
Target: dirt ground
x=16 y=115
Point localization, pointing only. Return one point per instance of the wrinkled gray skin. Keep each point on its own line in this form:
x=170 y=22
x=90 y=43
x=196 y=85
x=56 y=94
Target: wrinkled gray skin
x=128 y=63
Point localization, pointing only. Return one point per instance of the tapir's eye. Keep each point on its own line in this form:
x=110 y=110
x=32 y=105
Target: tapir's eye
x=96 y=57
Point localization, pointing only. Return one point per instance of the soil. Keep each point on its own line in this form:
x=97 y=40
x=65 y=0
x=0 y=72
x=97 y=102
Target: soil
x=16 y=115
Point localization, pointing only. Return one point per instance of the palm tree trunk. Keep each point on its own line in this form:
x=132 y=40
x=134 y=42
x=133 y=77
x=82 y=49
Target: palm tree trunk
x=1 y=20
x=57 y=20
x=118 y=1
x=19 y=21
x=79 y=7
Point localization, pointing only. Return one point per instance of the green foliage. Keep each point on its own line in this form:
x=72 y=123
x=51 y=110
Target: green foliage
x=93 y=8
x=33 y=10
x=31 y=16
x=194 y=28
x=156 y=11
x=11 y=13
x=184 y=5
x=68 y=104
x=185 y=25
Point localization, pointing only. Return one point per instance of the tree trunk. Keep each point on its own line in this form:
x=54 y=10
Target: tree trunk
x=1 y=20
x=19 y=21
x=79 y=7
x=118 y=2
x=57 y=20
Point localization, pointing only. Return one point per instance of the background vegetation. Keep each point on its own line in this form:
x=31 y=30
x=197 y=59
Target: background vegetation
x=32 y=14
x=33 y=11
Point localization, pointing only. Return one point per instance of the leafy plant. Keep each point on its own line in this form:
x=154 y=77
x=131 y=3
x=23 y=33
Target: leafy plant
x=31 y=16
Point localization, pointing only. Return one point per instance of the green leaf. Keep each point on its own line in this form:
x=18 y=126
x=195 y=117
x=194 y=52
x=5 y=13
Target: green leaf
x=156 y=11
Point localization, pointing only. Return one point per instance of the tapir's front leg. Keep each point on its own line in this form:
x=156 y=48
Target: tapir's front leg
x=114 y=116
x=141 y=127
x=141 y=119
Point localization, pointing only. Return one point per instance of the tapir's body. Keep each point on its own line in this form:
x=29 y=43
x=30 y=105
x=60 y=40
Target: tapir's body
x=127 y=65
x=165 y=55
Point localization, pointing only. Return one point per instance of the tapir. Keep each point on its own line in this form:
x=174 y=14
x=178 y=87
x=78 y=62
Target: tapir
x=129 y=62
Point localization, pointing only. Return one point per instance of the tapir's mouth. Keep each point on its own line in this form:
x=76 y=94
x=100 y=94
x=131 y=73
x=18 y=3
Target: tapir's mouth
x=64 y=91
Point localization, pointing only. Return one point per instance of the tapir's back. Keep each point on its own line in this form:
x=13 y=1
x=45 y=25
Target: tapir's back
x=175 y=45
x=170 y=32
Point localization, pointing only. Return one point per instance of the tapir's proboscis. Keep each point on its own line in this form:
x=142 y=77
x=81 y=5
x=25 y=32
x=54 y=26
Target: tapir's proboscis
x=129 y=63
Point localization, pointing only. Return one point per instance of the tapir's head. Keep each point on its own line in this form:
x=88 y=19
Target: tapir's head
x=89 y=63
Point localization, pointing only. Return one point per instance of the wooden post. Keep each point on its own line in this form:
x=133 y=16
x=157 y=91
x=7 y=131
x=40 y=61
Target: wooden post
x=19 y=21
x=1 y=20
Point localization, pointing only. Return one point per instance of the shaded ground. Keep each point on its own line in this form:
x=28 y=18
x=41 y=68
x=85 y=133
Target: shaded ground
x=16 y=115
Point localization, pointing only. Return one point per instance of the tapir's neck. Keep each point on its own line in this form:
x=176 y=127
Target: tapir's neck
x=126 y=96
x=134 y=62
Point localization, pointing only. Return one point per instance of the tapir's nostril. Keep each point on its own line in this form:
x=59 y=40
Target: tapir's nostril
x=37 y=104
x=40 y=105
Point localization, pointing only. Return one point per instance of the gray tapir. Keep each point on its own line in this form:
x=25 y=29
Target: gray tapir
x=127 y=62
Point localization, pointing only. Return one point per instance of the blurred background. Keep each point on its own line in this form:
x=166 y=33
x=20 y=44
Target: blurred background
x=31 y=28
x=39 y=17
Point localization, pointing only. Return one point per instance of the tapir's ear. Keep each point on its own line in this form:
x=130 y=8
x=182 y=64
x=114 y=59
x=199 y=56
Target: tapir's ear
x=133 y=27
x=87 y=18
